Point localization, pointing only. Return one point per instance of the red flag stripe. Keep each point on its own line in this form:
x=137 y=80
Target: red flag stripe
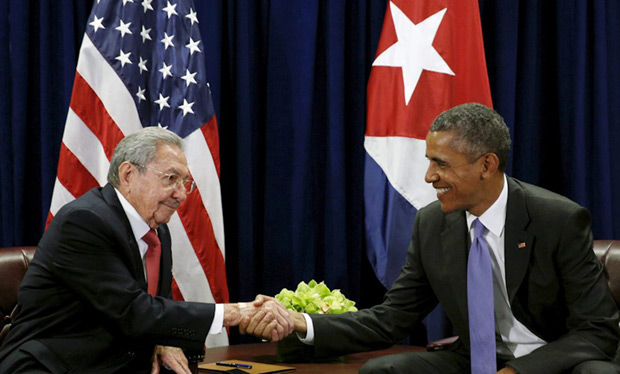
x=197 y=224
x=86 y=104
x=209 y=130
x=72 y=174
x=204 y=171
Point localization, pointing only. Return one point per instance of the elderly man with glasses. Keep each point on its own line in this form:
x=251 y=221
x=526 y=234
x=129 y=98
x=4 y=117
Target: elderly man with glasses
x=96 y=297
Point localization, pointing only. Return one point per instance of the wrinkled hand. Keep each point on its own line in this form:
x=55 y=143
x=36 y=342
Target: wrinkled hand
x=265 y=318
x=172 y=358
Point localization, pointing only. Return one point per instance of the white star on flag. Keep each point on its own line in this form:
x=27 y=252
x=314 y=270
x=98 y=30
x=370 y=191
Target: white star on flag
x=167 y=40
x=192 y=16
x=189 y=78
x=123 y=28
x=192 y=46
x=142 y=65
x=145 y=34
x=414 y=51
x=170 y=9
x=147 y=5
x=162 y=102
x=97 y=23
x=165 y=70
x=140 y=94
x=186 y=107
x=124 y=58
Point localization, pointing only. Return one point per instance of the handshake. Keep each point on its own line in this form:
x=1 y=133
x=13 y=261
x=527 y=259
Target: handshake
x=265 y=318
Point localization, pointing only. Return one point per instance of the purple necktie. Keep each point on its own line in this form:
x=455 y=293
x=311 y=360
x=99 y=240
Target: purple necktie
x=480 y=304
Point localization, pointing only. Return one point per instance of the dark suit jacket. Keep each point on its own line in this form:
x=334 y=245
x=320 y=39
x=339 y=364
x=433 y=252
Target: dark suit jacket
x=84 y=305
x=555 y=284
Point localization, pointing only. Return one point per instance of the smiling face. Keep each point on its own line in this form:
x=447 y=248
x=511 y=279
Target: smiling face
x=148 y=192
x=460 y=183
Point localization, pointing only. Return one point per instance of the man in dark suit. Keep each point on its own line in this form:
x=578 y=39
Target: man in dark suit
x=552 y=311
x=84 y=301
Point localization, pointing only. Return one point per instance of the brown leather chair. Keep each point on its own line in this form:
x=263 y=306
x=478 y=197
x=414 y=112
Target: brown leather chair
x=13 y=265
x=608 y=251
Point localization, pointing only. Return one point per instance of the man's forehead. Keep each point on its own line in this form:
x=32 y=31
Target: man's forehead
x=170 y=158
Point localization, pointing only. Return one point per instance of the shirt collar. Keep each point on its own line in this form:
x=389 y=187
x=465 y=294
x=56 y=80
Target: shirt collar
x=138 y=226
x=494 y=218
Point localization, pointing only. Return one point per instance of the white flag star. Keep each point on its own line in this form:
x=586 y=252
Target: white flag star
x=165 y=70
x=123 y=28
x=170 y=9
x=147 y=5
x=186 y=107
x=167 y=40
x=142 y=65
x=124 y=58
x=140 y=94
x=162 y=102
x=193 y=46
x=192 y=16
x=145 y=34
x=189 y=77
x=414 y=50
x=97 y=23
x=127 y=1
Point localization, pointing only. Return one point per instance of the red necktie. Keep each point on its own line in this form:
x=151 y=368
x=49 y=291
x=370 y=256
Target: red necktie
x=153 y=254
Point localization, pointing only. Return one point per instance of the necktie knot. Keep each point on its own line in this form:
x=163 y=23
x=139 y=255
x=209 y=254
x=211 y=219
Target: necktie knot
x=151 y=238
x=478 y=229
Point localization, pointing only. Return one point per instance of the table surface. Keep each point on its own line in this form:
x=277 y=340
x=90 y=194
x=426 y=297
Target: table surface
x=266 y=353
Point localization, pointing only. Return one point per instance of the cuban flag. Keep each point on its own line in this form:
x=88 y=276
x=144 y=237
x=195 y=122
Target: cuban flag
x=141 y=64
x=430 y=58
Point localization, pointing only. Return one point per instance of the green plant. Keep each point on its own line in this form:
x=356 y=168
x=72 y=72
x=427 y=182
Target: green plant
x=315 y=298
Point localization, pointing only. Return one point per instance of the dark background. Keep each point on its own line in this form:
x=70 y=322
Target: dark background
x=289 y=86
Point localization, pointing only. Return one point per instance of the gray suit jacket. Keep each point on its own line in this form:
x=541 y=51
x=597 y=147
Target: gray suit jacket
x=84 y=305
x=555 y=284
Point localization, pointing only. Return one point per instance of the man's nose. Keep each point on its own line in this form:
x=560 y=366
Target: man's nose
x=431 y=175
x=179 y=194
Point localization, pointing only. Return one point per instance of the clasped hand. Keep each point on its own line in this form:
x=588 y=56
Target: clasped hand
x=265 y=318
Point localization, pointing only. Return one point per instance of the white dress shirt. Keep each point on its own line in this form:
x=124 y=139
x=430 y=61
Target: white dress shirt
x=513 y=338
x=139 y=227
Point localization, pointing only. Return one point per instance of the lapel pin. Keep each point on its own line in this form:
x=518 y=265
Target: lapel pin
x=521 y=245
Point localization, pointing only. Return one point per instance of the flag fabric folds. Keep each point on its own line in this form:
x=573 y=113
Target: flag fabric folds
x=142 y=64
x=430 y=58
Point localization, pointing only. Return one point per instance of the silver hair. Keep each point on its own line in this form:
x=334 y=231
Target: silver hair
x=140 y=148
x=478 y=130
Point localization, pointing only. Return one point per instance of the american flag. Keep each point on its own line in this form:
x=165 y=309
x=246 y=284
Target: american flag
x=142 y=64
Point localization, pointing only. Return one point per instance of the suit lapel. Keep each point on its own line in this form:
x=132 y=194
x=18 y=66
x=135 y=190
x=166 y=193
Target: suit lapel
x=132 y=252
x=454 y=239
x=518 y=242
x=165 y=270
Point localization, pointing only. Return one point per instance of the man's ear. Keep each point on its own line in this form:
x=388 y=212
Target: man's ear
x=125 y=172
x=490 y=164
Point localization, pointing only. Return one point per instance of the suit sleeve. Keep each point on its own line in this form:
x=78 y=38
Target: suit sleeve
x=592 y=322
x=92 y=262
x=408 y=301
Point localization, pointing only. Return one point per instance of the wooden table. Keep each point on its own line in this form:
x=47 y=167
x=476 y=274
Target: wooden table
x=266 y=353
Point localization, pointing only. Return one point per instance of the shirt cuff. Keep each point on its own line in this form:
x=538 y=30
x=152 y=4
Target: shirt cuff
x=218 y=320
x=309 y=339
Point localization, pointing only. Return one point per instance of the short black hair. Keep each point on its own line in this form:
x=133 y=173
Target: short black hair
x=478 y=130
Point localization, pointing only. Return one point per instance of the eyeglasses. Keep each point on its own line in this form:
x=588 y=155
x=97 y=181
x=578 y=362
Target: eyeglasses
x=173 y=181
